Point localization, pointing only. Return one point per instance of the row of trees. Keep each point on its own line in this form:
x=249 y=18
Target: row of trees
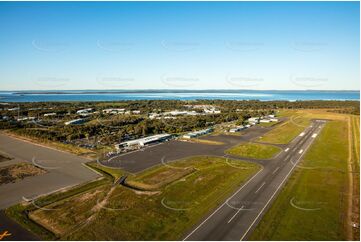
x=117 y=128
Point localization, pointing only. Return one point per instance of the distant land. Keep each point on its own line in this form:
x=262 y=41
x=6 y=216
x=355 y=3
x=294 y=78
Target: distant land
x=170 y=94
x=85 y=91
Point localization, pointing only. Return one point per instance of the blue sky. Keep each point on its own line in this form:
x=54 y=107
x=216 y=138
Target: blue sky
x=172 y=45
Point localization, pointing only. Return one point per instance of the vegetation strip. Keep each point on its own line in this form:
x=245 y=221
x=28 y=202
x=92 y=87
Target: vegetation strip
x=192 y=195
x=324 y=190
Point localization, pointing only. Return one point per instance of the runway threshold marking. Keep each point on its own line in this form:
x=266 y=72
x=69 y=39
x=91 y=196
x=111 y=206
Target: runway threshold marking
x=300 y=151
x=235 y=215
x=275 y=170
x=260 y=187
x=287 y=149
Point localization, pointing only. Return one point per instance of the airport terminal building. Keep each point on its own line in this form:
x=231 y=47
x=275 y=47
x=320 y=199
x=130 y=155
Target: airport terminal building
x=144 y=141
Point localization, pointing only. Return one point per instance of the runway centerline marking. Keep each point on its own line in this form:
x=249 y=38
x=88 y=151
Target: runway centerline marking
x=287 y=149
x=275 y=170
x=234 y=194
x=300 y=151
x=275 y=192
x=234 y=215
x=260 y=187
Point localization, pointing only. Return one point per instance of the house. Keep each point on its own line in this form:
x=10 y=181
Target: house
x=114 y=110
x=254 y=120
x=84 y=111
x=49 y=114
x=153 y=115
x=75 y=121
x=211 y=111
x=25 y=118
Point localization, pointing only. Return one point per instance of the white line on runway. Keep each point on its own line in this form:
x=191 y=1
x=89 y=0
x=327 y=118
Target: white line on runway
x=314 y=135
x=260 y=187
x=275 y=170
x=300 y=151
x=287 y=149
x=234 y=215
x=269 y=200
x=234 y=194
x=302 y=134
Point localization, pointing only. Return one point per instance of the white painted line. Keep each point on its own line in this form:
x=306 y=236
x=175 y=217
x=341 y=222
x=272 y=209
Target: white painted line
x=300 y=151
x=234 y=215
x=302 y=134
x=269 y=200
x=275 y=170
x=260 y=187
x=287 y=149
x=314 y=135
x=223 y=204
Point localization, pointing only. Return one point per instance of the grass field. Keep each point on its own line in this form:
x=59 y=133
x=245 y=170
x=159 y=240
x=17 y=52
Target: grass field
x=20 y=211
x=254 y=150
x=312 y=205
x=286 y=132
x=187 y=190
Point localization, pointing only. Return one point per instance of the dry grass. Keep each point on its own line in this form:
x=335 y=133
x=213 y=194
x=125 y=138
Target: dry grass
x=17 y=172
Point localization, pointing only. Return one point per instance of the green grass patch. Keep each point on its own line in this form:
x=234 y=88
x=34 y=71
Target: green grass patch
x=111 y=173
x=321 y=187
x=183 y=198
x=254 y=150
x=286 y=132
x=21 y=211
x=159 y=176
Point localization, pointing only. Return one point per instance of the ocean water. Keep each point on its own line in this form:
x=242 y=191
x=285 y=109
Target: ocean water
x=100 y=95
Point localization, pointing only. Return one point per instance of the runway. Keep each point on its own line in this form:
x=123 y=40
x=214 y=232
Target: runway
x=236 y=218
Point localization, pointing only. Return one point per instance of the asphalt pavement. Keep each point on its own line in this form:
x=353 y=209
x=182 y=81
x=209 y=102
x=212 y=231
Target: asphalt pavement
x=236 y=218
x=63 y=170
